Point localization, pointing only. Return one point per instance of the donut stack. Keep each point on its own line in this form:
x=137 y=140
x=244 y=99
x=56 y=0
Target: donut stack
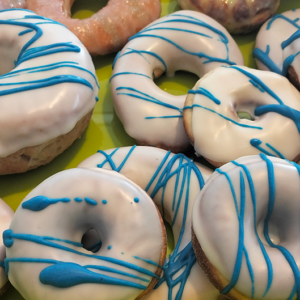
x=90 y=233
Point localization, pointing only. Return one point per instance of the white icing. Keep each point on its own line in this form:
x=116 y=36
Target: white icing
x=221 y=140
x=30 y=118
x=280 y=30
x=216 y=224
x=141 y=166
x=165 y=129
x=131 y=228
x=6 y=214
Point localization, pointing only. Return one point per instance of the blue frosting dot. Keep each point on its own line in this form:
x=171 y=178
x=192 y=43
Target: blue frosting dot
x=136 y=200
x=122 y=252
x=109 y=247
x=104 y=201
x=7 y=238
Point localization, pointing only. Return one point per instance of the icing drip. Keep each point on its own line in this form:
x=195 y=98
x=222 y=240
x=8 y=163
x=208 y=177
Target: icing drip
x=180 y=167
x=264 y=57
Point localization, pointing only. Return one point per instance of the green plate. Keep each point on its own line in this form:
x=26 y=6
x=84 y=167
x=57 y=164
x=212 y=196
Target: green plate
x=105 y=130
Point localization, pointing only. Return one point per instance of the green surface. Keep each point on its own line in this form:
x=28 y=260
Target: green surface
x=105 y=130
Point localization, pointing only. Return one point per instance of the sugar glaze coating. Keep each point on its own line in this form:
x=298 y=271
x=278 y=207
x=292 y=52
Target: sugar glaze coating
x=47 y=80
x=220 y=135
x=184 y=40
x=44 y=239
x=173 y=182
x=246 y=221
x=278 y=44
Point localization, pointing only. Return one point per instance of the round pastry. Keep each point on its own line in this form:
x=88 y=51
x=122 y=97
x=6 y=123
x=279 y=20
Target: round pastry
x=6 y=215
x=173 y=181
x=44 y=239
x=107 y=30
x=48 y=90
x=237 y=16
x=184 y=40
x=245 y=228
x=7 y=4
x=278 y=46
x=213 y=115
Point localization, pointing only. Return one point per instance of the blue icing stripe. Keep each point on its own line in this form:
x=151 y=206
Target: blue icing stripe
x=25 y=31
x=256 y=143
x=39 y=203
x=204 y=92
x=65 y=275
x=77 y=199
x=129 y=73
x=90 y=201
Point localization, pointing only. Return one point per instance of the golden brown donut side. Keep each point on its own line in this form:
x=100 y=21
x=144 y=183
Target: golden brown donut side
x=32 y=157
x=237 y=16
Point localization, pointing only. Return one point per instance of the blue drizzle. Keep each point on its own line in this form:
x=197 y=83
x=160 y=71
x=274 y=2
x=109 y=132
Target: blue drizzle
x=256 y=143
x=90 y=201
x=179 y=261
x=204 y=92
x=39 y=203
x=264 y=56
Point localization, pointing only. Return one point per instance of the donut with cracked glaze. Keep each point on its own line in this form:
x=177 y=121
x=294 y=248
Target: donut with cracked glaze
x=48 y=89
x=6 y=215
x=244 y=228
x=278 y=46
x=173 y=181
x=237 y=16
x=184 y=40
x=213 y=125
x=44 y=239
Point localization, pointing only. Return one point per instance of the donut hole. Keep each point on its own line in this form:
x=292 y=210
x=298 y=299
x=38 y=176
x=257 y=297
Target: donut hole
x=177 y=85
x=245 y=110
x=9 y=52
x=170 y=238
x=85 y=9
x=91 y=241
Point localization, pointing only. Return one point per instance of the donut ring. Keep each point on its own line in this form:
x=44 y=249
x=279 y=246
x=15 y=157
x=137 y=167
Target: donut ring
x=278 y=46
x=165 y=176
x=6 y=215
x=218 y=133
x=48 y=227
x=237 y=16
x=107 y=30
x=244 y=231
x=48 y=89
x=184 y=40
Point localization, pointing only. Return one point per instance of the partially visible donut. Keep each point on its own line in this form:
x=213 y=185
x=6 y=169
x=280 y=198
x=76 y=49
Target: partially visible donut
x=107 y=30
x=6 y=215
x=278 y=46
x=213 y=121
x=184 y=40
x=7 y=4
x=45 y=256
x=48 y=89
x=237 y=16
x=173 y=181
x=246 y=228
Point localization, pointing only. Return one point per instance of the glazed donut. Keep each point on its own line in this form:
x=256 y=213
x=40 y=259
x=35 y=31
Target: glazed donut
x=7 y=4
x=48 y=90
x=44 y=239
x=6 y=215
x=107 y=30
x=211 y=115
x=173 y=181
x=184 y=40
x=278 y=46
x=245 y=228
x=237 y=16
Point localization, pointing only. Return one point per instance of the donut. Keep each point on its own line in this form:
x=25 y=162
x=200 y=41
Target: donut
x=173 y=182
x=277 y=46
x=48 y=89
x=184 y=40
x=107 y=30
x=213 y=115
x=44 y=239
x=7 y=4
x=6 y=215
x=244 y=228
x=237 y=16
